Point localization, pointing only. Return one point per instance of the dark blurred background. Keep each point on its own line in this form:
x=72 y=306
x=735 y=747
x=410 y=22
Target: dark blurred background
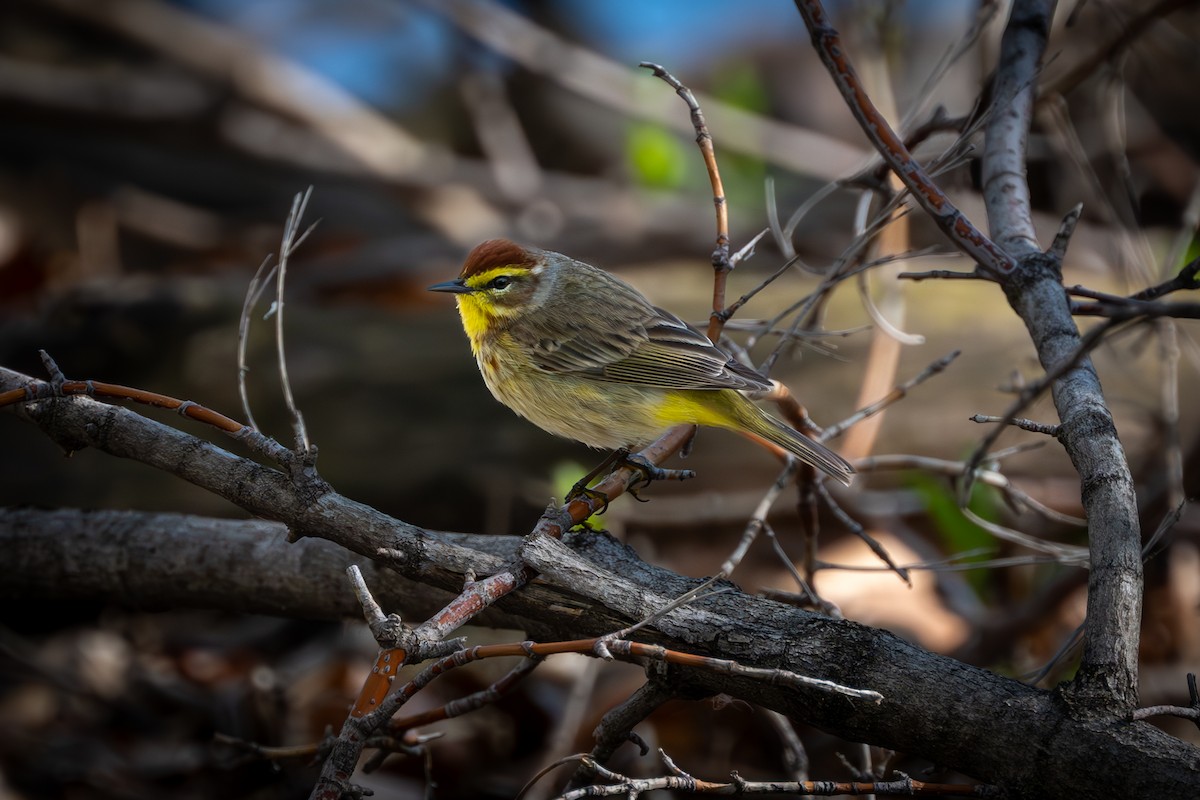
x=150 y=151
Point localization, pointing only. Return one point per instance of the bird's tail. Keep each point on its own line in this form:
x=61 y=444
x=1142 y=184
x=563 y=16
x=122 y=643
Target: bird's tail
x=765 y=426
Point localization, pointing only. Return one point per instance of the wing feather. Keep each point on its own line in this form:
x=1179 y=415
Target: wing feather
x=640 y=344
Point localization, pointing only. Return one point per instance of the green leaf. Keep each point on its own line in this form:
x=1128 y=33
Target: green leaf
x=656 y=156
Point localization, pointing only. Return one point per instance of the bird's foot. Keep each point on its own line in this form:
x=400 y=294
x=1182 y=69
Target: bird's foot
x=582 y=490
x=651 y=472
x=581 y=487
x=648 y=474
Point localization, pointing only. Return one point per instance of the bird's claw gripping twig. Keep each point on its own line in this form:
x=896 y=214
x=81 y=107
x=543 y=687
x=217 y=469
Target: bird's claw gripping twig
x=581 y=489
x=651 y=472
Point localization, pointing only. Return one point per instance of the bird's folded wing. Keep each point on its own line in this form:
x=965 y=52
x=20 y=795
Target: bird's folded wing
x=661 y=351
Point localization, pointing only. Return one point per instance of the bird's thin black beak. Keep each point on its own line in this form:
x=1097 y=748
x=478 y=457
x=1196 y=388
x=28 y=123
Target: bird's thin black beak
x=454 y=287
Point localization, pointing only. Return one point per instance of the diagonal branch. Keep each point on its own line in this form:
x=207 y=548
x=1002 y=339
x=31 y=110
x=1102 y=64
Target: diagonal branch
x=965 y=236
x=1032 y=281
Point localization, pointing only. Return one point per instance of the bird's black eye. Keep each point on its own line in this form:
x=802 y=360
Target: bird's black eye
x=499 y=282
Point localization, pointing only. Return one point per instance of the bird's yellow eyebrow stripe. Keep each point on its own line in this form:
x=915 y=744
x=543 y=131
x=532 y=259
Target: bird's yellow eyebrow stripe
x=481 y=279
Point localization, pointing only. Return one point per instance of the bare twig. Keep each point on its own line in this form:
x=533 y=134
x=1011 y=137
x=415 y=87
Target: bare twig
x=1141 y=303
x=617 y=784
x=258 y=284
x=291 y=239
x=795 y=756
x=943 y=274
x=1070 y=555
x=758 y=518
x=1191 y=711
x=895 y=395
x=403 y=726
x=371 y=610
x=616 y=726
x=1150 y=548
x=1186 y=279
x=849 y=263
x=861 y=532
x=722 y=265
x=955 y=469
x=1019 y=422
x=1031 y=392
x=1168 y=336
x=931 y=198
x=59 y=386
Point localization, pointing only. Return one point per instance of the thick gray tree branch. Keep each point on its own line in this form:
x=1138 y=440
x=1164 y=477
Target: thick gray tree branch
x=1032 y=282
x=1107 y=681
x=992 y=727
x=77 y=422
x=1006 y=135
x=156 y=561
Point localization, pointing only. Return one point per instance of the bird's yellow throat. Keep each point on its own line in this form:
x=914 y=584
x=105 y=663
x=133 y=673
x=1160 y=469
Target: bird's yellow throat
x=479 y=311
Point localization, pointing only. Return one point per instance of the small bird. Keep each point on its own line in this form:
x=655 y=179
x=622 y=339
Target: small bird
x=584 y=355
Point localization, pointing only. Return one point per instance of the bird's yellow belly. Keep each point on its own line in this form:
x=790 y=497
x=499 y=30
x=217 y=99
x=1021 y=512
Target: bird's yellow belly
x=599 y=414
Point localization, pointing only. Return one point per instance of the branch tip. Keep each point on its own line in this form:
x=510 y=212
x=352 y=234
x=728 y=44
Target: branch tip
x=1066 y=229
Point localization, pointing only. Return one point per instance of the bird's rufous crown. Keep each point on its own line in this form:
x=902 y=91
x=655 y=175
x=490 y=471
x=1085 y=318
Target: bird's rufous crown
x=495 y=253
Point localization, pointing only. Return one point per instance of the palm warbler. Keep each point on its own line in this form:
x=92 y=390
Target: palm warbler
x=584 y=355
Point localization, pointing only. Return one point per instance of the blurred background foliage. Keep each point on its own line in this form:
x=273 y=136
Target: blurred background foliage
x=149 y=151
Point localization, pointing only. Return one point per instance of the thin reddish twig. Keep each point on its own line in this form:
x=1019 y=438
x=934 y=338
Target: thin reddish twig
x=721 y=262
x=965 y=236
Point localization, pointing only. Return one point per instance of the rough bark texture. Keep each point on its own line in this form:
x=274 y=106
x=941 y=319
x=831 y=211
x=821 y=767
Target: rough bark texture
x=1024 y=739
x=1107 y=680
